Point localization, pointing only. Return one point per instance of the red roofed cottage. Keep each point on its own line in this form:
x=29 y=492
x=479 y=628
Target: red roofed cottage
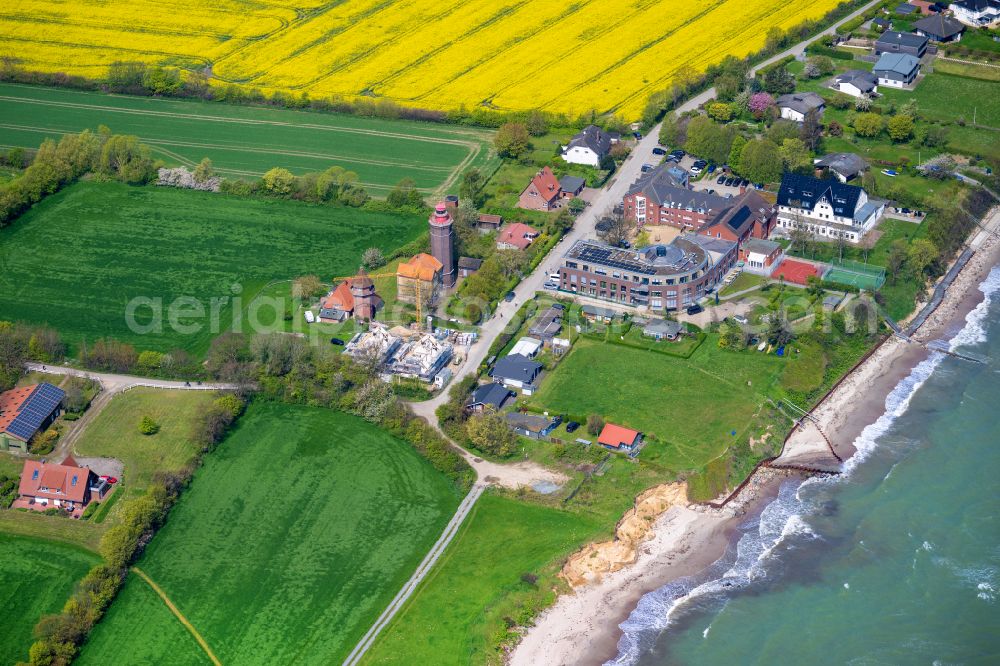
x=619 y=438
x=66 y=485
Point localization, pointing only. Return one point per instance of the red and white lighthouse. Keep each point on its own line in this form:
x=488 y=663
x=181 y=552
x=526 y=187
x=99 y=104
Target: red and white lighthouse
x=443 y=243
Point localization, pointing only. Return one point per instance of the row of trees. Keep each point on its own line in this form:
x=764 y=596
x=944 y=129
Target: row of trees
x=115 y=156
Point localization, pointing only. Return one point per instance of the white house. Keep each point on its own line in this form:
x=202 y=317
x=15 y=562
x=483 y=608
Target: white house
x=589 y=146
x=856 y=82
x=795 y=106
x=827 y=209
x=896 y=70
x=976 y=13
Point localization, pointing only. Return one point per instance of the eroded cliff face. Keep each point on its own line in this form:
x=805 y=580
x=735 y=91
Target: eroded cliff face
x=593 y=560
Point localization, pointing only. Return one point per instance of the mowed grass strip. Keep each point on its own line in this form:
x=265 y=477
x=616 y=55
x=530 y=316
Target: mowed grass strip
x=249 y=140
x=76 y=259
x=291 y=540
x=36 y=578
x=691 y=404
x=448 y=619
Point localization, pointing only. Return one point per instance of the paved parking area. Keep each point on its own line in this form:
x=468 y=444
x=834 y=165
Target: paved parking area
x=708 y=183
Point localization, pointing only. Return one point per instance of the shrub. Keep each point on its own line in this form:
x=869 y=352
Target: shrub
x=867 y=124
x=147 y=426
x=595 y=424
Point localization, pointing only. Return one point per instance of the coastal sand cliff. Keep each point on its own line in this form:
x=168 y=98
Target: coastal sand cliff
x=582 y=627
x=595 y=560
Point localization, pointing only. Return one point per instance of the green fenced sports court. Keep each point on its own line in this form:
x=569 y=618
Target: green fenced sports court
x=863 y=276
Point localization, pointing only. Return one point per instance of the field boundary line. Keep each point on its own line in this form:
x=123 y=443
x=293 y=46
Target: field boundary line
x=177 y=613
x=426 y=565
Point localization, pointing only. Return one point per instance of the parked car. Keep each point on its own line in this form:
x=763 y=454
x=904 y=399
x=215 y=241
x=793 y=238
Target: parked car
x=711 y=168
x=744 y=182
x=558 y=306
x=337 y=341
x=695 y=169
x=111 y=480
x=659 y=151
x=720 y=180
x=637 y=135
x=694 y=309
x=728 y=182
x=646 y=167
x=572 y=426
x=741 y=319
x=678 y=153
x=551 y=285
x=509 y=296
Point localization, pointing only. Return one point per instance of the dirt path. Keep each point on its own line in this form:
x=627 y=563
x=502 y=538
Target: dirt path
x=180 y=616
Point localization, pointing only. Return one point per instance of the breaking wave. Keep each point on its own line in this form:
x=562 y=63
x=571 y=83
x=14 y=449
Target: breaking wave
x=784 y=522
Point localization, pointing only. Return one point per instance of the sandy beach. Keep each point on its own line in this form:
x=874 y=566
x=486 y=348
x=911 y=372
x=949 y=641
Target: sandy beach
x=582 y=626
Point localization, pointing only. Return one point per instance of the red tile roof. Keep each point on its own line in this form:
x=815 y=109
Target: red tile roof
x=547 y=184
x=11 y=402
x=340 y=298
x=517 y=234
x=56 y=482
x=617 y=436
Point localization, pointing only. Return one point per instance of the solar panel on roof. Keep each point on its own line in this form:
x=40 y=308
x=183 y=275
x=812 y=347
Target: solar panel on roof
x=36 y=408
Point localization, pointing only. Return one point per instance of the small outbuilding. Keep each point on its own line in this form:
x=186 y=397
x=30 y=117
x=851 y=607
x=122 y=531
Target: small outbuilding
x=468 y=266
x=571 y=186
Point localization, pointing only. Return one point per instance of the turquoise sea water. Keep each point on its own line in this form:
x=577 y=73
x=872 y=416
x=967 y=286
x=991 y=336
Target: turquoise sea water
x=895 y=562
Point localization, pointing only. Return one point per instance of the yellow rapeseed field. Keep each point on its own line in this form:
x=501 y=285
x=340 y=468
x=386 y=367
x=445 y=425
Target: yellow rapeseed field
x=605 y=55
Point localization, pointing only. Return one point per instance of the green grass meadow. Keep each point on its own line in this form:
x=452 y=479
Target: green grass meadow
x=690 y=404
x=291 y=540
x=36 y=578
x=115 y=433
x=116 y=629
x=246 y=141
x=76 y=259
x=473 y=586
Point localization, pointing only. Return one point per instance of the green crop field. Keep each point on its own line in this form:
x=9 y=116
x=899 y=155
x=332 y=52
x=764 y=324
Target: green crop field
x=36 y=578
x=76 y=259
x=449 y=618
x=691 y=404
x=247 y=141
x=137 y=599
x=291 y=540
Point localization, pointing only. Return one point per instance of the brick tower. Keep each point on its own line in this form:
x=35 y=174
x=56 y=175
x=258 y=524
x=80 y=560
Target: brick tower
x=365 y=299
x=443 y=243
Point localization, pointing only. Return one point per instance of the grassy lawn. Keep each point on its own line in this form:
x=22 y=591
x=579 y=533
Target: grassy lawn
x=692 y=405
x=36 y=578
x=116 y=243
x=115 y=432
x=938 y=93
x=742 y=282
x=963 y=69
x=292 y=538
x=247 y=141
x=450 y=618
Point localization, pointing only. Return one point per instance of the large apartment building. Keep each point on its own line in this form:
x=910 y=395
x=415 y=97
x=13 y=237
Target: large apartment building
x=658 y=197
x=660 y=277
x=827 y=209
